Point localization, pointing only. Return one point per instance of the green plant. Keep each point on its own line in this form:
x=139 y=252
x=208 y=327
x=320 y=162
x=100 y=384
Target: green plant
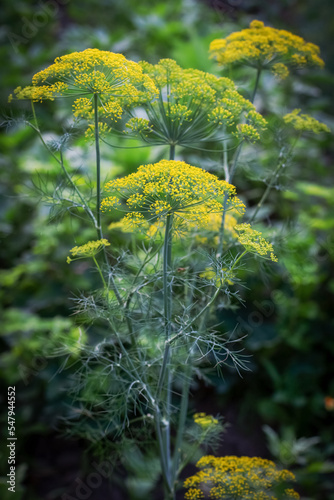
x=150 y=324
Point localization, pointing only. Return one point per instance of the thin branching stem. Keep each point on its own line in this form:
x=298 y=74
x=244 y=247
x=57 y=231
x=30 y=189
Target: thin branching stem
x=100 y=273
x=60 y=161
x=281 y=163
x=98 y=201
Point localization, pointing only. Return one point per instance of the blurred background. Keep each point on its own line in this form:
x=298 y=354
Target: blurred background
x=283 y=408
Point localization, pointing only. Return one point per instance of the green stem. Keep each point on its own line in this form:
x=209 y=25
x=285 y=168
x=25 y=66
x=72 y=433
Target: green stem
x=266 y=192
x=167 y=328
x=100 y=273
x=225 y=158
x=238 y=259
x=213 y=298
x=192 y=452
x=98 y=202
x=257 y=81
x=172 y=151
x=96 y=220
x=230 y=173
x=222 y=229
x=238 y=151
x=165 y=376
x=182 y=421
x=164 y=423
x=61 y=163
x=164 y=466
x=98 y=168
x=157 y=415
x=211 y=301
x=280 y=164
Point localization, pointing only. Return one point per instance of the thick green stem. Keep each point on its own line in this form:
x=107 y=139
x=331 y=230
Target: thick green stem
x=172 y=151
x=165 y=375
x=222 y=229
x=161 y=444
x=167 y=329
x=257 y=81
x=163 y=425
x=182 y=421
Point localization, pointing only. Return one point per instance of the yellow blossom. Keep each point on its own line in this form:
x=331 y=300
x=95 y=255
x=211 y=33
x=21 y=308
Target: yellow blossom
x=264 y=47
x=89 y=249
x=89 y=72
x=204 y=420
x=241 y=478
x=118 y=83
x=171 y=187
x=280 y=70
x=305 y=123
x=194 y=494
x=190 y=105
x=253 y=241
x=246 y=131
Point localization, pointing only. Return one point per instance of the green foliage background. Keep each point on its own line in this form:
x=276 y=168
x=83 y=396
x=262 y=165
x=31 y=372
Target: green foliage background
x=287 y=316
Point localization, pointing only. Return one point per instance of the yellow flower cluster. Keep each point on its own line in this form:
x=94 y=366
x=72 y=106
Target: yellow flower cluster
x=280 y=70
x=118 y=82
x=209 y=237
x=40 y=92
x=89 y=72
x=267 y=48
x=246 y=131
x=170 y=187
x=89 y=249
x=204 y=420
x=246 y=478
x=190 y=105
x=305 y=123
x=253 y=241
x=139 y=125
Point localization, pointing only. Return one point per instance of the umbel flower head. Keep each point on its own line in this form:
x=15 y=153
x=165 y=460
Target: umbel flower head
x=192 y=105
x=253 y=241
x=117 y=81
x=244 y=478
x=204 y=420
x=264 y=47
x=89 y=249
x=170 y=187
x=304 y=123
